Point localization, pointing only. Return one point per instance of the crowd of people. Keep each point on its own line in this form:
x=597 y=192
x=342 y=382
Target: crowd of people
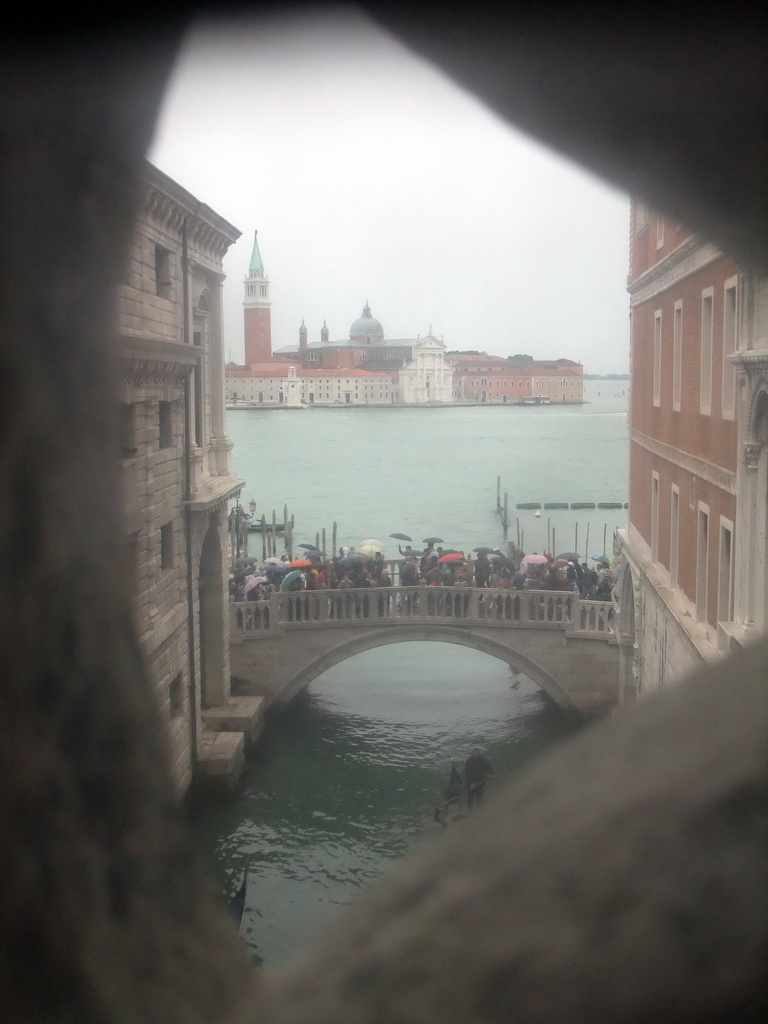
x=431 y=567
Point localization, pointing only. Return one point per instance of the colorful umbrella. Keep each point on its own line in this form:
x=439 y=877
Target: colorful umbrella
x=401 y=536
x=290 y=578
x=534 y=560
x=601 y=558
x=370 y=550
x=454 y=556
x=300 y=563
x=274 y=561
x=250 y=583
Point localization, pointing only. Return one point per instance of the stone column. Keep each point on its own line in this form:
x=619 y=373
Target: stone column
x=216 y=342
x=749 y=517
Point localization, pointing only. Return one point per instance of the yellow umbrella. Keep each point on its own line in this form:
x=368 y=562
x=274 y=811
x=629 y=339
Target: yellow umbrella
x=370 y=548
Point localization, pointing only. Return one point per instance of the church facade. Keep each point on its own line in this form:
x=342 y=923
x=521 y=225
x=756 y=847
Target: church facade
x=418 y=372
x=363 y=369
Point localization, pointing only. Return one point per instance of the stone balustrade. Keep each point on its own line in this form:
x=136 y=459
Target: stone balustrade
x=326 y=608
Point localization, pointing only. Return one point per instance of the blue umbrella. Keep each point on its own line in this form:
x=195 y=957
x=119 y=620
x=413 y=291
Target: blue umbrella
x=279 y=569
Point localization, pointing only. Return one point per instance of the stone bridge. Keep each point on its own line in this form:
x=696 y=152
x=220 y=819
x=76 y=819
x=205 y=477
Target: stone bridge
x=565 y=644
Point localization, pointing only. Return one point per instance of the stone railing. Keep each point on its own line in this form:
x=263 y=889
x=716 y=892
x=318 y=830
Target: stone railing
x=595 y=617
x=328 y=608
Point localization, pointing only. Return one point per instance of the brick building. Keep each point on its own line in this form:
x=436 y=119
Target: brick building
x=494 y=380
x=678 y=554
x=176 y=466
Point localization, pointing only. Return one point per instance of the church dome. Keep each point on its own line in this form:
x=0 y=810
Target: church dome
x=366 y=326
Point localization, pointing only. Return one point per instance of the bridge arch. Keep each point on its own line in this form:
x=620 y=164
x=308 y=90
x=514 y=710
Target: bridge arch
x=463 y=637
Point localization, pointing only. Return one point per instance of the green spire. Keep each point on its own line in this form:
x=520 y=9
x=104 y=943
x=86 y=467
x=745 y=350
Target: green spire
x=256 y=263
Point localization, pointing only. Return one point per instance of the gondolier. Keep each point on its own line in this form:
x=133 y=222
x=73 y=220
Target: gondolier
x=476 y=770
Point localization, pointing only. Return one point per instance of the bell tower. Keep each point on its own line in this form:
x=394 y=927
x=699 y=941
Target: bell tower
x=257 y=318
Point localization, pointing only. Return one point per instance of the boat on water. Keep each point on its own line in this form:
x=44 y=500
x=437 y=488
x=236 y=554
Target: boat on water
x=237 y=900
x=257 y=527
x=537 y=400
x=455 y=805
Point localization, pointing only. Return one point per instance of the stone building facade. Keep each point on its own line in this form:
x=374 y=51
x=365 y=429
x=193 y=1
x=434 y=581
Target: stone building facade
x=176 y=464
x=273 y=385
x=678 y=571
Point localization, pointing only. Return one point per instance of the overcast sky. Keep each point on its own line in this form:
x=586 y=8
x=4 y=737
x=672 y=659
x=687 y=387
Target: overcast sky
x=370 y=176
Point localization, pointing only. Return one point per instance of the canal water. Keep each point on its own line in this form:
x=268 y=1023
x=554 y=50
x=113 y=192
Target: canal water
x=346 y=780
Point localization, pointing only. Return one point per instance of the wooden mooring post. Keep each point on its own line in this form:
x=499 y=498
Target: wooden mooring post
x=289 y=538
x=505 y=515
x=498 y=493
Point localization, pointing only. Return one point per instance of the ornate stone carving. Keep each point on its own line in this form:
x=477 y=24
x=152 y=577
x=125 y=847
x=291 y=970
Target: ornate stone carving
x=752 y=456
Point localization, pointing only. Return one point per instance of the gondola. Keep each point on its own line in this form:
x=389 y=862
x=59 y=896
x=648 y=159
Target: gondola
x=455 y=799
x=237 y=901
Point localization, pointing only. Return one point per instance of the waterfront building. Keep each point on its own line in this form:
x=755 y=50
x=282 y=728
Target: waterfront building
x=494 y=380
x=176 y=466
x=410 y=371
x=417 y=369
x=370 y=370
x=693 y=556
x=271 y=385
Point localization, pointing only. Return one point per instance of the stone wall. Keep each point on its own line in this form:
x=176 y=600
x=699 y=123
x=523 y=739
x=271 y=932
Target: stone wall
x=622 y=878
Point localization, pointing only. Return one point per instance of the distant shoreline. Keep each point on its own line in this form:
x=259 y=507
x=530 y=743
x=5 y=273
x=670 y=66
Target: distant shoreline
x=415 y=405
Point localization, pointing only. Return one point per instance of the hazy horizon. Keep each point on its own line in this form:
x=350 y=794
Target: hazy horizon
x=371 y=177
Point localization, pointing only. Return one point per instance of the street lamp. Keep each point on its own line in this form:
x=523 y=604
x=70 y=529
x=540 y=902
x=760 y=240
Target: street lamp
x=252 y=506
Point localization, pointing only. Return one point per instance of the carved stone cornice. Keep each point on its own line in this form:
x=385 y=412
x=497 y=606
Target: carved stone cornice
x=689 y=257
x=716 y=475
x=156 y=371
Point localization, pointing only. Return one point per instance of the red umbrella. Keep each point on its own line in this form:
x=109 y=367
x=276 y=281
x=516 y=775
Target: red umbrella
x=455 y=556
x=300 y=563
